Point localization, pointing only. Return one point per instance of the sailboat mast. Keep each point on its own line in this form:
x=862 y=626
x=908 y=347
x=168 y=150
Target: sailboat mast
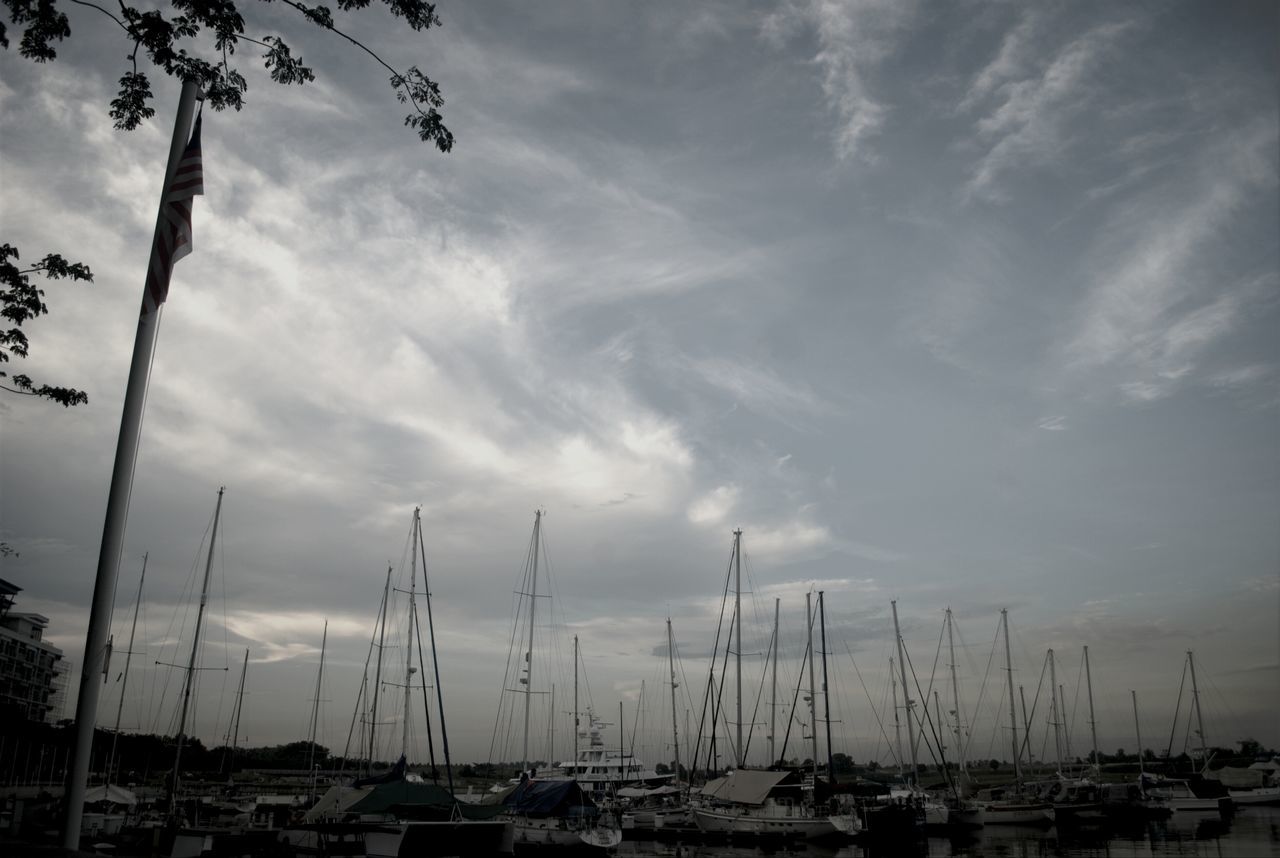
x=1053 y=713
x=435 y=665
x=1026 y=727
x=315 y=706
x=1066 y=728
x=1093 y=725
x=409 y=638
x=1013 y=712
x=1195 y=698
x=897 y=722
x=575 y=700
x=906 y=694
x=528 y=655
x=955 y=691
x=377 y=673
x=195 y=651
x=813 y=697
x=671 y=664
x=124 y=682
x=826 y=697
x=737 y=616
x=773 y=707
x=1137 y=728
x=235 y=727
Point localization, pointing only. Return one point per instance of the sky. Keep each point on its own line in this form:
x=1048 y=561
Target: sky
x=964 y=305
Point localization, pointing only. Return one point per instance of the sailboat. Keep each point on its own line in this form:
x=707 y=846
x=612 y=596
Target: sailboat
x=936 y=813
x=553 y=811
x=1181 y=795
x=664 y=808
x=1010 y=805
x=394 y=814
x=754 y=802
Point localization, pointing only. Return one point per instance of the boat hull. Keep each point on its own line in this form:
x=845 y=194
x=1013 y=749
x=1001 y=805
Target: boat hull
x=1020 y=813
x=753 y=824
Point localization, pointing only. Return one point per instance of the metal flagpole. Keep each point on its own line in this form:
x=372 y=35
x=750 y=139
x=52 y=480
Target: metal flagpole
x=118 y=510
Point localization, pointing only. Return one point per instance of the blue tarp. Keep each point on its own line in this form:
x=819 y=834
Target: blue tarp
x=550 y=798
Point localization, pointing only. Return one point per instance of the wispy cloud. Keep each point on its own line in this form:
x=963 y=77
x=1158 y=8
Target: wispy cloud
x=1052 y=424
x=1155 y=307
x=761 y=389
x=1029 y=126
x=852 y=39
x=1014 y=54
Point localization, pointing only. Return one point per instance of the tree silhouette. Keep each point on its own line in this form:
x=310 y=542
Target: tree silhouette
x=216 y=28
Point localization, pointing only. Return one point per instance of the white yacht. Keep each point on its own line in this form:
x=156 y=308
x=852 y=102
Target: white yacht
x=601 y=769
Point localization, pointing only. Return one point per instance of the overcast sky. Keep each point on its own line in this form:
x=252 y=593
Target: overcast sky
x=968 y=304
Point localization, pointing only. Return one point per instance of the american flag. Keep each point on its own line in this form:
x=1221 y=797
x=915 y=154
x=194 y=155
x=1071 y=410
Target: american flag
x=173 y=238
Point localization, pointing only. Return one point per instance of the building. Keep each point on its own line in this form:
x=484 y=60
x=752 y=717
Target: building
x=31 y=671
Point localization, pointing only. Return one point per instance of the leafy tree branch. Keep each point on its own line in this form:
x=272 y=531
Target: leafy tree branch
x=20 y=302
x=171 y=43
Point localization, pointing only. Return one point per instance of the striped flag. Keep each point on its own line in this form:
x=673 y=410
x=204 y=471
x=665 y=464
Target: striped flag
x=173 y=238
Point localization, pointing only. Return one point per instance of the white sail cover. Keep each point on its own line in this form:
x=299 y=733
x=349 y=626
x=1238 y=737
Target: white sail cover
x=744 y=786
x=110 y=793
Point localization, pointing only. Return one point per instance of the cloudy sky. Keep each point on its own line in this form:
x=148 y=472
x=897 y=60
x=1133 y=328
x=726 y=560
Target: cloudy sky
x=970 y=304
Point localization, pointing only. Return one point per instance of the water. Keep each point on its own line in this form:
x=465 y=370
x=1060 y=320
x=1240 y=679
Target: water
x=1253 y=831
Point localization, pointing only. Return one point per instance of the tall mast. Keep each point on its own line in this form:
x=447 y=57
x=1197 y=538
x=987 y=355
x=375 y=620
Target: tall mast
x=813 y=702
x=235 y=727
x=1195 y=698
x=671 y=664
x=315 y=706
x=1066 y=728
x=124 y=682
x=1053 y=713
x=1137 y=729
x=737 y=616
x=773 y=706
x=575 y=700
x=1093 y=725
x=377 y=674
x=1013 y=712
x=551 y=727
x=897 y=723
x=1026 y=727
x=195 y=651
x=435 y=663
x=906 y=694
x=826 y=697
x=528 y=655
x=955 y=692
x=409 y=670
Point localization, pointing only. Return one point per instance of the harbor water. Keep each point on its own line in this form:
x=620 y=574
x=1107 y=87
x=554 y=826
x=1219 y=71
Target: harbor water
x=1254 y=831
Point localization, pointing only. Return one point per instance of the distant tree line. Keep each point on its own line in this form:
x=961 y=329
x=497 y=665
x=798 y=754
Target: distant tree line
x=31 y=750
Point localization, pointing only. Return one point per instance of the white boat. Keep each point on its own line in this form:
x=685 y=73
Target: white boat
x=765 y=804
x=1255 y=795
x=659 y=809
x=600 y=769
x=1179 y=797
x=1001 y=807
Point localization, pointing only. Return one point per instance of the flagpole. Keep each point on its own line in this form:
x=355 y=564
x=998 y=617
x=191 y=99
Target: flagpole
x=118 y=510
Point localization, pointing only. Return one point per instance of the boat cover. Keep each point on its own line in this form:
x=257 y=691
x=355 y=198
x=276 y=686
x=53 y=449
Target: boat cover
x=744 y=786
x=111 y=794
x=396 y=773
x=550 y=798
x=417 y=801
